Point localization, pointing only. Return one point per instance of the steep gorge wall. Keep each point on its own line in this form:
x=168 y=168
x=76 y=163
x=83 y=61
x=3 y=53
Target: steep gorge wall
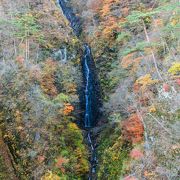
x=39 y=99
x=131 y=88
x=135 y=47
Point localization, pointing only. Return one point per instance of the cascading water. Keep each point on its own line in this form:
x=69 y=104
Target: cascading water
x=88 y=99
x=87 y=118
x=91 y=88
x=72 y=18
x=89 y=106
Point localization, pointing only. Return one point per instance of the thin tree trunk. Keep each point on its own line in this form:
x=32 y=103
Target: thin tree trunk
x=152 y=53
x=26 y=51
x=164 y=41
x=15 y=51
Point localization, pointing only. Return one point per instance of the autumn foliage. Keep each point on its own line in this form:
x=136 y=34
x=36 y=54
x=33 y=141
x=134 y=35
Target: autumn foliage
x=60 y=162
x=68 y=109
x=132 y=129
x=131 y=62
x=94 y=5
x=130 y=178
x=109 y=20
x=136 y=154
x=47 y=81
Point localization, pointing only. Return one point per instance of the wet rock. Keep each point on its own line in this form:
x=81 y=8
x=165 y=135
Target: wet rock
x=74 y=20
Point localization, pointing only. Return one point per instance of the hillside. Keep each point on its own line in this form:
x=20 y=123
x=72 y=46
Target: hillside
x=114 y=61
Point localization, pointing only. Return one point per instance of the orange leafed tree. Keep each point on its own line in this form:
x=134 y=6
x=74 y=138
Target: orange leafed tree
x=109 y=22
x=131 y=62
x=60 y=162
x=132 y=129
x=68 y=109
x=47 y=81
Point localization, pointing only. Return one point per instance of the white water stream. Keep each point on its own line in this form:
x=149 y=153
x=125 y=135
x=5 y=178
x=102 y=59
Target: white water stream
x=90 y=98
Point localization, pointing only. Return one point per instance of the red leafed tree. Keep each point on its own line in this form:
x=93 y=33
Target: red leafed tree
x=136 y=154
x=94 y=5
x=132 y=129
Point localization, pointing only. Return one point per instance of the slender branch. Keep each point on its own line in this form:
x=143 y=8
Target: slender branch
x=145 y=132
x=159 y=123
x=152 y=53
x=165 y=43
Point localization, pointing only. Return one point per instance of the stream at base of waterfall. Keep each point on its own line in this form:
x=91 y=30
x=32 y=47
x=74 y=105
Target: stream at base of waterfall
x=93 y=159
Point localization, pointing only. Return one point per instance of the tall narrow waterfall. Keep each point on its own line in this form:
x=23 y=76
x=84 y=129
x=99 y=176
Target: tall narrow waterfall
x=92 y=103
x=88 y=94
x=91 y=89
x=91 y=92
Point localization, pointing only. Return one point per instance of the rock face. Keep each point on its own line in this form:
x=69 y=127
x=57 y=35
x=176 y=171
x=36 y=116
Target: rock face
x=6 y=170
x=132 y=129
x=72 y=18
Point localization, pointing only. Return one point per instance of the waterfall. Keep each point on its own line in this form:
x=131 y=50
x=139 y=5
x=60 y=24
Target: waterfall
x=91 y=105
x=72 y=18
x=88 y=97
x=91 y=88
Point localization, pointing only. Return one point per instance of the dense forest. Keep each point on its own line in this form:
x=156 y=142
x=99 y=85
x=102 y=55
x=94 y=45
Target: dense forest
x=90 y=89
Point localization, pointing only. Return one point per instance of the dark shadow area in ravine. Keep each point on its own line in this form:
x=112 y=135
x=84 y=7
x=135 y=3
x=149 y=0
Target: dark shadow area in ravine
x=90 y=94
